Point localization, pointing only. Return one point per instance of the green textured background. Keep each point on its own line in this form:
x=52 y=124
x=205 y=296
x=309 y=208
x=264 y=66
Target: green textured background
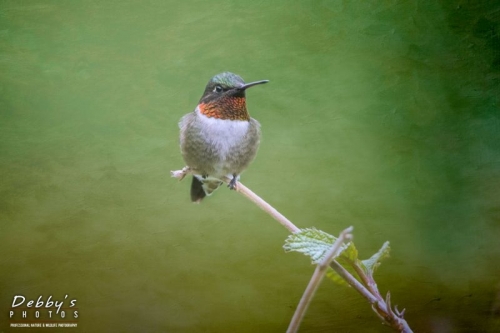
x=383 y=115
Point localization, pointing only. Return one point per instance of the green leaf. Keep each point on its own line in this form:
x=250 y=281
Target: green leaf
x=350 y=252
x=370 y=265
x=315 y=244
x=312 y=242
x=332 y=275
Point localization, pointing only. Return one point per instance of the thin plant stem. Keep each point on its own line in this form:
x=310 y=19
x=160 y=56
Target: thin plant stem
x=266 y=207
x=318 y=275
x=249 y=194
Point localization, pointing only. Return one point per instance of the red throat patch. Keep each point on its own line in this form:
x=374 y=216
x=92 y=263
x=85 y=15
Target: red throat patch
x=232 y=108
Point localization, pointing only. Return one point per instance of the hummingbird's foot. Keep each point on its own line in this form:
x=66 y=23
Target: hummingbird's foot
x=232 y=183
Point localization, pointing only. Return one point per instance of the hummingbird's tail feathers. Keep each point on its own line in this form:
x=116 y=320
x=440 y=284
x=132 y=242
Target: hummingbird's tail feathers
x=197 y=192
x=202 y=188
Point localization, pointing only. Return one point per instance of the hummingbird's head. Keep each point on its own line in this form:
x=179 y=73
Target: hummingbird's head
x=224 y=97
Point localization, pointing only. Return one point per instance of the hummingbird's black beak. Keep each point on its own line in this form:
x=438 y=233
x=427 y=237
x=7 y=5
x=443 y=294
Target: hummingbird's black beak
x=251 y=84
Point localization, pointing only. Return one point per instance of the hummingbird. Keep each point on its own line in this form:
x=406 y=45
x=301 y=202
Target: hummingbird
x=219 y=138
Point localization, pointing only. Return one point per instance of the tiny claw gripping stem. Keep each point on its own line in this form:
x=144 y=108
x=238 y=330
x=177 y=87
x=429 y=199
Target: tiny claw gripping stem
x=232 y=183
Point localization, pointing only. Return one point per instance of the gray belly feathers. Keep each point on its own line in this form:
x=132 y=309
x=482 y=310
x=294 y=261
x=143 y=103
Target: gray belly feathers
x=216 y=147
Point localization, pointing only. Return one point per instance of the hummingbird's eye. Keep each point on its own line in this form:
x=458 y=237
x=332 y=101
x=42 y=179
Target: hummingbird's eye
x=218 y=88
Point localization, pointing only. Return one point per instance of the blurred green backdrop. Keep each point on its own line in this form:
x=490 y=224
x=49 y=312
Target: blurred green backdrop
x=383 y=115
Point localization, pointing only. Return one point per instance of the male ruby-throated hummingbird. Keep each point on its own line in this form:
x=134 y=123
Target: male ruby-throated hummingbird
x=219 y=139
